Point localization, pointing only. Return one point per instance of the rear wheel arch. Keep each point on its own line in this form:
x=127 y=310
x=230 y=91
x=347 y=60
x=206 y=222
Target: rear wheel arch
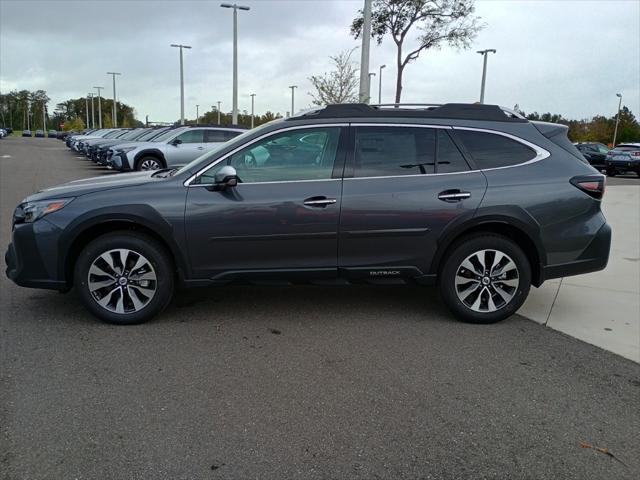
x=502 y=227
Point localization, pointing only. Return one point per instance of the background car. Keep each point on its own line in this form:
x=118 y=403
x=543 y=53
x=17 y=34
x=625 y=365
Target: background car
x=26 y=133
x=595 y=153
x=3 y=133
x=40 y=134
x=176 y=147
x=623 y=158
x=53 y=134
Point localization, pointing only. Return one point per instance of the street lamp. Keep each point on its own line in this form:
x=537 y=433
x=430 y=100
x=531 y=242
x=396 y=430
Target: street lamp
x=615 y=132
x=293 y=88
x=181 y=82
x=371 y=74
x=364 y=53
x=86 y=105
x=234 y=112
x=197 y=113
x=380 y=84
x=484 y=70
x=218 y=102
x=99 y=107
x=93 y=118
x=115 y=107
x=253 y=96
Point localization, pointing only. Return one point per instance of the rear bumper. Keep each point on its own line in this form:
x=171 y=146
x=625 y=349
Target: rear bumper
x=594 y=258
x=623 y=165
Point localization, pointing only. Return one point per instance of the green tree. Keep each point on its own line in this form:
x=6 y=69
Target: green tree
x=441 y=22
x=339 y=85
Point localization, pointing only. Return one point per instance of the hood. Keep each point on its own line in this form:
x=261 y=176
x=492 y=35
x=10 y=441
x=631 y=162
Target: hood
x=95 y=184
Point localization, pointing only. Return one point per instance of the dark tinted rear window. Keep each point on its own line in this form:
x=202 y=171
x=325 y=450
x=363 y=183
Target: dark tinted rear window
x=490 y=150
x=391 y=151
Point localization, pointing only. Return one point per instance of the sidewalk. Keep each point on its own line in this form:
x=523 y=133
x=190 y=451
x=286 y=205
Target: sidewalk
x=601 y=308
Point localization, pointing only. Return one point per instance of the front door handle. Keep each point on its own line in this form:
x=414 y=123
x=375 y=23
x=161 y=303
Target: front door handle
x=200 y=148
x=319 y=202
x=454 y=195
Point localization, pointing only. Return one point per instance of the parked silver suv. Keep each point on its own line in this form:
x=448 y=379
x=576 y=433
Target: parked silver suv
x=178 y=146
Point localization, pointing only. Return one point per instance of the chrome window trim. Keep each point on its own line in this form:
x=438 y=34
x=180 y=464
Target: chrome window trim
x=187 y=182
x=541 y=153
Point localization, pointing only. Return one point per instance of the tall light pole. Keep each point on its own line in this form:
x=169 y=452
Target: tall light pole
x=234 y=112
x=219 y=102
x=364 y=53
x=99 y=107
x=93 y=117
x=181 y=82
x=253 y=97
x=484 y=70
x=380 y=84
x=86 y=104
x=44 y=118
x=293 y=89
x=115 y=108
x=371 y=74
x=615 y=132
x=197 y=113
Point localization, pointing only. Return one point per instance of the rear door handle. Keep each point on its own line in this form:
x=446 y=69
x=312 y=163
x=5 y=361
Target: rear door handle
x=319 y=202
x=453 y=195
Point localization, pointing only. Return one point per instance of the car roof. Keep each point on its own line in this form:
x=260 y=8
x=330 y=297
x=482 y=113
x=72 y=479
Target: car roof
x=452 y=111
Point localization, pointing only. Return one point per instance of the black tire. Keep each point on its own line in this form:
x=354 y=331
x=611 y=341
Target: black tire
x=466 y=247
x=611 y=172
x=141 y=163
x=144 y=247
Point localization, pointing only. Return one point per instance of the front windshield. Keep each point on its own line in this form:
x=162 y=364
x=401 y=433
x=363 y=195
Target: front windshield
x=148 y=136
x=234 y=142
x=169 y=134
x=130 y=135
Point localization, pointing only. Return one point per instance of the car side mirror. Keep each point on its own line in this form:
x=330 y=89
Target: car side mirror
x=226 y=177
x=175 y=142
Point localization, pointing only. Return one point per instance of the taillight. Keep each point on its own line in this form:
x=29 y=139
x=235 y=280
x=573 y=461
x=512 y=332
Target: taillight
x=592 y=185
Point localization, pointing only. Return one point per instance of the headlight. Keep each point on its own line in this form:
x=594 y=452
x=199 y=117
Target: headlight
x=29 y=212
x=125 y=149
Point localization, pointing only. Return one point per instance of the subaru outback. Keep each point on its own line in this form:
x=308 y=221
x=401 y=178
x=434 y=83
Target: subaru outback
x=472 y=198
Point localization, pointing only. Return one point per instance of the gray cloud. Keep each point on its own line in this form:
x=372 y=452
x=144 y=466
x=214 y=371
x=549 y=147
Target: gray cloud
x=567 y=57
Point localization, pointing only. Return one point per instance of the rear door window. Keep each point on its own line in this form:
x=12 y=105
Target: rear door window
x=393 y=151
x=449 y=157
x=490 y=150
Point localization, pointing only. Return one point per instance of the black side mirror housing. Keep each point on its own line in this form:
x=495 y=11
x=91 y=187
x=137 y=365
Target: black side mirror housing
x=175 y=142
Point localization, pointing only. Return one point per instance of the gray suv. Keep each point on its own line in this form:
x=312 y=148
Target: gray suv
x=175 y=147
x=472 y=198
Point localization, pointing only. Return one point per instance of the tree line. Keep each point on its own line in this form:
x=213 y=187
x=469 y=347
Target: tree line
x=22 y=109
x=597 y=129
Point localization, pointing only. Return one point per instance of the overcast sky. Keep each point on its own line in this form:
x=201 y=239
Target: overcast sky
x=569 y=57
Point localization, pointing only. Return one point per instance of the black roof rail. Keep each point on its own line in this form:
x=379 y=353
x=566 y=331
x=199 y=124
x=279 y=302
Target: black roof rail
x=453 y=111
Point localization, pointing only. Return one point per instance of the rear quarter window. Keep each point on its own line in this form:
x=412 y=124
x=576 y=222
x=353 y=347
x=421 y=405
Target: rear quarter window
x=490 y=150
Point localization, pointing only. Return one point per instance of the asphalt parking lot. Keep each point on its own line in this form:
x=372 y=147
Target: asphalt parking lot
x=298 y=382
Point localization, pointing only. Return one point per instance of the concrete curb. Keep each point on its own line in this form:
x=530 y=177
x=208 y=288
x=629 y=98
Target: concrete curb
x=601 y=308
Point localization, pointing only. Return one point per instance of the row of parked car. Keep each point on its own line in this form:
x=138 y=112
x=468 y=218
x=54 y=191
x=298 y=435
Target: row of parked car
x=624 y=158
x=152 y=148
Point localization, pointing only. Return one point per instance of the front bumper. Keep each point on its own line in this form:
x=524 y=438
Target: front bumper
x=32 y=257
x=594 y=258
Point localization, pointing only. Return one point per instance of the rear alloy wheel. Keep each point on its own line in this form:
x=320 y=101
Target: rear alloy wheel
x=485 y=279
x=124 y=278
x=149 y=163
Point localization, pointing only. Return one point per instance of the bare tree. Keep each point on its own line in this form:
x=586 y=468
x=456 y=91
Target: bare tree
x=441 y=22
x=339 y=85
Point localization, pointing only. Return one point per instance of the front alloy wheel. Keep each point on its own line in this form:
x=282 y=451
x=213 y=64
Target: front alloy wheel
x=124 y=277
x=149 y=163
x=122 y=281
